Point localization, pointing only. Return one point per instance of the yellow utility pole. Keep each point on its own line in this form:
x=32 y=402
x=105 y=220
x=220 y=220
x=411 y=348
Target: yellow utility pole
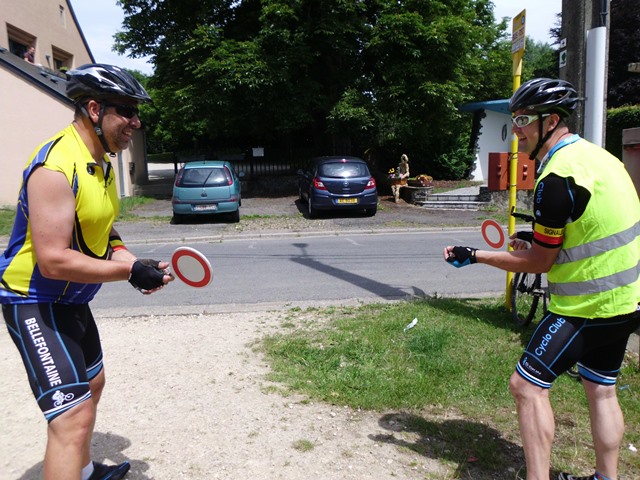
x=518 y=39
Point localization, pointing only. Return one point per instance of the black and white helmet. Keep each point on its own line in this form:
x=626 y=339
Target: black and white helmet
x=545 y=95
x=101 y=81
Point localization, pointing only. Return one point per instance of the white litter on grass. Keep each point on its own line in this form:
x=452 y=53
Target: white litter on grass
x=632 y=448
x=413 y=323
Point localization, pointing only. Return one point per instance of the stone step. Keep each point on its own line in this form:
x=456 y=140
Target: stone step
x=452 y=204
x=445 y=197
x=471 y=198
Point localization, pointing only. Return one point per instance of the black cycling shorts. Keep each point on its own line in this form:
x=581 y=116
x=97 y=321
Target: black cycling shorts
x=60 y=349
x=597 y=345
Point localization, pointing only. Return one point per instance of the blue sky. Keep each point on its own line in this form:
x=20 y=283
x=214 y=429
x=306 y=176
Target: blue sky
x=101 y=19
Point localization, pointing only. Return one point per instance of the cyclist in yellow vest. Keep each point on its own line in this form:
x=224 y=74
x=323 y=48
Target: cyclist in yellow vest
x=62 y=248
x=587 y=221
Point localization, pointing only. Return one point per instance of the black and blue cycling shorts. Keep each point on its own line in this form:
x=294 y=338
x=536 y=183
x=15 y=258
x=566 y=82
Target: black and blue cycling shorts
x=60 y=349
x=596 y=345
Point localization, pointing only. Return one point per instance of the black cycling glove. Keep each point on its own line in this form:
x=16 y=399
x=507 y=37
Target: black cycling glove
x=146 y=274
x=462 y=256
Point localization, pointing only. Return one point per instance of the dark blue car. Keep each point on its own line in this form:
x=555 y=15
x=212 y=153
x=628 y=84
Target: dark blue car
x=338 y=183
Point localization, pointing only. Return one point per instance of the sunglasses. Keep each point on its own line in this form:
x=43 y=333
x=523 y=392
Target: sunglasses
x=522 y=121
x=126 y=111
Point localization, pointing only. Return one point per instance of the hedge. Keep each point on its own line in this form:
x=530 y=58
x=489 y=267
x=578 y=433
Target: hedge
x=619 y=119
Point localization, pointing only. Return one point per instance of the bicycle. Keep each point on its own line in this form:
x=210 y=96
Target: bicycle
x=527 y=289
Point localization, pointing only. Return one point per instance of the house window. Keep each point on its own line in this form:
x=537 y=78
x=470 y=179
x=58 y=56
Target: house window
x=19 y=40
x=62 y=60
x=63 y=18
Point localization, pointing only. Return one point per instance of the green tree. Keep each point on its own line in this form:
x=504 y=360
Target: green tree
x=624 y=38
x=539 y=60
x=333 y=76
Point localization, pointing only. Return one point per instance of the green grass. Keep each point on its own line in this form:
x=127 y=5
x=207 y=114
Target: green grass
x=303 y=445
x=7 y=215
x=128 y=205
x=445 y=380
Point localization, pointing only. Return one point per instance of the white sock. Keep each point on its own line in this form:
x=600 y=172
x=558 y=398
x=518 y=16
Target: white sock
x=87 y=471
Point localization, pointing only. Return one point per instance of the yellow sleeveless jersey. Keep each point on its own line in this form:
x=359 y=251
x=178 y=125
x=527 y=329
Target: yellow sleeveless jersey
x=96 y=209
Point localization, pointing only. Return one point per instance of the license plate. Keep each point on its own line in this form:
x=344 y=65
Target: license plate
x=205 y=208
x=348 y=200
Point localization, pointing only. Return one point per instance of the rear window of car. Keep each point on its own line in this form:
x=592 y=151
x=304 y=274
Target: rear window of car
x=205 y=177
x=343 y=170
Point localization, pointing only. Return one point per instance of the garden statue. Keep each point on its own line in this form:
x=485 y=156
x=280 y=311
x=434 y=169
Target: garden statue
x=399 y=178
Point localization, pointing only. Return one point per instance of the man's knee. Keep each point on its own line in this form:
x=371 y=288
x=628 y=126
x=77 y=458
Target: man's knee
x=521 y=389
x=73 y=426
x=596 y=392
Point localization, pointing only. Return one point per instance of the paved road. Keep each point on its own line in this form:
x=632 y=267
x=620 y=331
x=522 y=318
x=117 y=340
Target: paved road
x=277 y=255
x=316 y=269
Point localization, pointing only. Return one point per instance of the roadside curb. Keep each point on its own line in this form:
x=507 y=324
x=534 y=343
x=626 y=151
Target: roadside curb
x=257 y=235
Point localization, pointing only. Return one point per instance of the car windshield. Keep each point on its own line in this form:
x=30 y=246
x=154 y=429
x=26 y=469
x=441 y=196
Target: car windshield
x=343 y=170
x=205 y=177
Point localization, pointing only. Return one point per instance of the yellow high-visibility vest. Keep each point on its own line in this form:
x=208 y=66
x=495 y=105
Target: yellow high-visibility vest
x=596 y=272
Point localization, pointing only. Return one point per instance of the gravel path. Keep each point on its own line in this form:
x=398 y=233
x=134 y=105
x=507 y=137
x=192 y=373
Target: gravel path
x=186 y=397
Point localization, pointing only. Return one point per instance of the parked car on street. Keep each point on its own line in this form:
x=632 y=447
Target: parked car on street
x=338 y=183
x=206 y=187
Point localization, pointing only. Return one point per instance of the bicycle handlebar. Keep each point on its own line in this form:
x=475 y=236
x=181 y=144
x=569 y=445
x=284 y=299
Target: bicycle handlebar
x=526 y=236
x=523 y=216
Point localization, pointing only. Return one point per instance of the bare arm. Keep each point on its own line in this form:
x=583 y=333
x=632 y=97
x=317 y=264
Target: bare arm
x=536 y=259
x=52 y=216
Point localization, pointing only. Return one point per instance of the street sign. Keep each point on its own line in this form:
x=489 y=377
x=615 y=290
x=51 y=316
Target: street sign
x=518 y=33
x=562 y=60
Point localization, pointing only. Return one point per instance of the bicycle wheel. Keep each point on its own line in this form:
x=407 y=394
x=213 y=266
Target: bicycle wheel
x=524 y=300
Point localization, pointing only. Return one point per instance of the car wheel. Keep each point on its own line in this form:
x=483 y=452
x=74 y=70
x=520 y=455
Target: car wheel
x=235 y=216
x=313 y=212
x=177 y=219
x=370 y=212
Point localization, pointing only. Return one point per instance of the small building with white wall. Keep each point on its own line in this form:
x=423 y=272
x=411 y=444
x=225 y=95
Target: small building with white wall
x=491 y=132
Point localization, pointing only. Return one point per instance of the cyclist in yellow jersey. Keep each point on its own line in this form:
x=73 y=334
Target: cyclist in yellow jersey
x=586 y=236
x=62 y=248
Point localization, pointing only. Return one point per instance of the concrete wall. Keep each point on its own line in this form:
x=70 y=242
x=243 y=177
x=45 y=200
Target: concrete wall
x=29 y=116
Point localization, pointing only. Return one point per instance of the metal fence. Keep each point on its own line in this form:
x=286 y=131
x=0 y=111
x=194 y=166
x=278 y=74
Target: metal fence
x=252 y=166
